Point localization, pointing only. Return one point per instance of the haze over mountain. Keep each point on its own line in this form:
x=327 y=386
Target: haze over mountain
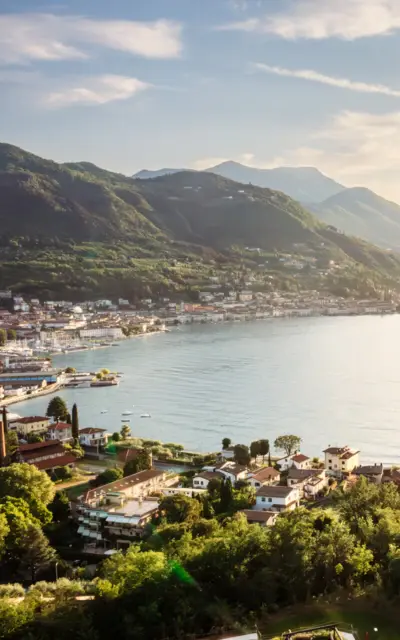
x=147 y=174
x=361 y=212
x=305 y=184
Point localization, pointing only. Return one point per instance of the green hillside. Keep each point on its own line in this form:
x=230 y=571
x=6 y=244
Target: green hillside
x=78 y=230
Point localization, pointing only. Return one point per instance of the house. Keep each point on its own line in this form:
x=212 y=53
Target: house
x=264 y=477
x=93 y=437
x=227 y=454
x=60 y=431
x=263 y=518
x=32 y=424
x=47 y=455
x=298 y=460
x=391 y=475
x=277 y=498
x=201 y=480
x=339 y=460
x=373 y=473
x=302 y=478
x=233 y=471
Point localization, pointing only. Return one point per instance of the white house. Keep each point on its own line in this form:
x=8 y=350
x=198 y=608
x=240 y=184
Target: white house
x=61 y=431
x=277 y=498
x=202 y=480
x=264 y=477
x=263 y=518
x=93 y=437
x=339 y=460
x=298 y=460
x=314 y=479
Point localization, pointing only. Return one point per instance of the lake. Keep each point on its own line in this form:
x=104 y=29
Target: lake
x=332 y=381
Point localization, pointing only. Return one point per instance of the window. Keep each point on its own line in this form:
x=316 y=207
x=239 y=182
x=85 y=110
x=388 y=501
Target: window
x=329 y=460
x=269 y=499
x=257 y=484
x=262 y=499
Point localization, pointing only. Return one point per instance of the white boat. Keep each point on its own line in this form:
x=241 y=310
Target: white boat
x=125 y=420
x=145 y=415
x=104 y=411
x=126 y=413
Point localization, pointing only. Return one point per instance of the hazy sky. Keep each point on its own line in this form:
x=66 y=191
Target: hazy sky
x=133 y=84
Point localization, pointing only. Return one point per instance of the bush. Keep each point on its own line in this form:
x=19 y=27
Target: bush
x=13 y=590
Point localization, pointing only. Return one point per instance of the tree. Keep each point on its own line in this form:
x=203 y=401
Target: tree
x=264 y=448
x=33 y=437
x=255 y=449
x=70 y=370
x=27 y=482
x=75 y=423
x=141 y=462
x=36 y=552
x=226 y=443
x=107 y=476
x=60 y=507
x=3 y=337
x=225 y=496
x=241 y=454
x=12 y=446
x=4 y=531
x=57 y=409
x=116 y=437
x=180 y=508
x=5 y=420
x=289 y=444
x=125 y=432
x=11 y=334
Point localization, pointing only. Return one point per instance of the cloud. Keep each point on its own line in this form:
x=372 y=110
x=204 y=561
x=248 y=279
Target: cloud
x=26 y=37
x=357 y=148
x=319 y=19
x=341 y=83
x=97 y=91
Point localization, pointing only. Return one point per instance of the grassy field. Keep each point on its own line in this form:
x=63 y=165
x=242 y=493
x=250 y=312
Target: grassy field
x=358 y=614
x=77 y=490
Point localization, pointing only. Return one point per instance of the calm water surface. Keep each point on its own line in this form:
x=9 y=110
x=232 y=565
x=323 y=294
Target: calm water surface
x=330 y=380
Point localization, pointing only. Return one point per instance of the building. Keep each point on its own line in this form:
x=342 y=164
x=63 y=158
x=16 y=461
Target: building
x=202 y=480
x=116 y=514
x=113 y=333
x=93 y=437
x=314 y=479
x=297 y=460
x=263 y=518
x=31 y=378
x=264 y=477
x=277 y=498
x=47 y=455
x=373 y=473
x=29 y=425
x=339 y=460
x=60 y=431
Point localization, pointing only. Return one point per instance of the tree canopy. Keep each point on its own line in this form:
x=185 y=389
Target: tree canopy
x=33 y=486
x=139 y=463
x=289 y=444
x=57 y=409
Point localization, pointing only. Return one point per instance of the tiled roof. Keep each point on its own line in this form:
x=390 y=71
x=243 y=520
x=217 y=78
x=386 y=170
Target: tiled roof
x=30 y=419
x=210 y=475
x=91 y=430
x=374 y=469
x=274 y=492
x=57 y=461
x=38 y=445
x=300 y=457
x=302 y=474
x=59 y=426
x=268 y=473
x=253 y=515
x=125 y=483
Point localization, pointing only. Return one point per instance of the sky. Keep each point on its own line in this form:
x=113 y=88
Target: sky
x=134 y=84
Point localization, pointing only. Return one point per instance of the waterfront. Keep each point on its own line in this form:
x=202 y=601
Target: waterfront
x=329 y=380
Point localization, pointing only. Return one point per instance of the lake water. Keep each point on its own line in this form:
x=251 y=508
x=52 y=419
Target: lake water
x=332 y=381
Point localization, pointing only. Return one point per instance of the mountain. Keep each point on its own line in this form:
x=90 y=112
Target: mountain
x=147 y=175
x=79 y=230
x=359 y=211
x=305 y=184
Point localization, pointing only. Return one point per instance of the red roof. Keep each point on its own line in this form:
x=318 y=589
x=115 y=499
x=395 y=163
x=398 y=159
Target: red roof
x=38 y=445
x=300 y=457
x=59 y=426
x=58 y=449
x=57 y=461
x=128 y=454
x=30 y=419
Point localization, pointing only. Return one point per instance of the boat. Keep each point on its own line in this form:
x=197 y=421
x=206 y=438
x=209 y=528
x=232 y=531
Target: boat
x=145 y=415
x=104 y=383
x=126 y=413
x=104 y=411
x=125 y=420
